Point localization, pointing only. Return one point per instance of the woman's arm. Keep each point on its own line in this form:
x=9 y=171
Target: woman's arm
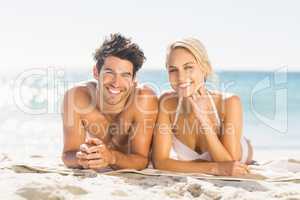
x=228 y=148
x=162 y=144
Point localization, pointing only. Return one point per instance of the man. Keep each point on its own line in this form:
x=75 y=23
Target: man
x=110 y=122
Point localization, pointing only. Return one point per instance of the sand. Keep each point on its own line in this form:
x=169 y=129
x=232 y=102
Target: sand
x=33 y=186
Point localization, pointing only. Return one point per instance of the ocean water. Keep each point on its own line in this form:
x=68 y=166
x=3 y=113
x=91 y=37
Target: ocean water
x=31 y=118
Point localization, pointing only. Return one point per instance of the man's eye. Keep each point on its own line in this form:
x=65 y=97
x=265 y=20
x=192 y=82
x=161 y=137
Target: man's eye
x=126 y=76
x=172 y=70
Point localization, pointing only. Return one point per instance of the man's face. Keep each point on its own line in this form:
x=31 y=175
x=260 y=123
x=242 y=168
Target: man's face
x=116 y=79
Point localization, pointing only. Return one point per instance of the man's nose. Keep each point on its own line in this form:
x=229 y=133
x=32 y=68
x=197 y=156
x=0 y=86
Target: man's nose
x=116 y=81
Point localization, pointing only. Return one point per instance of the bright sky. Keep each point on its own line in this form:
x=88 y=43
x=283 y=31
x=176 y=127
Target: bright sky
x=240 y=35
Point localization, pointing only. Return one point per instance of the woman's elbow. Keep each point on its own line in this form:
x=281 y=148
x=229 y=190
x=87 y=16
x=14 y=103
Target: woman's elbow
x=233 y=157
x=160 y=164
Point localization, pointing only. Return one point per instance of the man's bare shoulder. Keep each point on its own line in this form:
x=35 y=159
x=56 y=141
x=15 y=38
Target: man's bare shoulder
x=144 y=90
x=146 y=99
x=80 y=96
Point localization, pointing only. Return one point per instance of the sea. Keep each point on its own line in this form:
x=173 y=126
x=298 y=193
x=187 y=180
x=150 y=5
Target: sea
x=30 y=106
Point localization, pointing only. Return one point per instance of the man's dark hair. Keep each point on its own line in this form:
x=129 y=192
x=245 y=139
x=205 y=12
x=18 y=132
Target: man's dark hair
x=121 y=47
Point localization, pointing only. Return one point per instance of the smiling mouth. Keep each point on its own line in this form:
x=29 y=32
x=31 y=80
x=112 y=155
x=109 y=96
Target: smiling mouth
x=114 y=91
x=184 y=85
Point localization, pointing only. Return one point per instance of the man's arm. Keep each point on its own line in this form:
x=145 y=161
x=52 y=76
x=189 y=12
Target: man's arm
x=77 y=104
x=73 y=131
x=146 y=104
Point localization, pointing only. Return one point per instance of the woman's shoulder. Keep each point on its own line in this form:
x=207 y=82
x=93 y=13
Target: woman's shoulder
x=168 y=96
x=226 y=101
x=168 y=99
x=224 y=96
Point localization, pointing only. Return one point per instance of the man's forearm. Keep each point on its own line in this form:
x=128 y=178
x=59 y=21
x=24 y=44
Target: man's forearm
x=129 y=161
x=70 y=160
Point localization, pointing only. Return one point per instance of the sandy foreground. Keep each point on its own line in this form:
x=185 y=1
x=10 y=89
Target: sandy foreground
x=20 y=185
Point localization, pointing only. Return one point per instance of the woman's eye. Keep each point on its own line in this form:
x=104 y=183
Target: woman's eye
x=188 y=67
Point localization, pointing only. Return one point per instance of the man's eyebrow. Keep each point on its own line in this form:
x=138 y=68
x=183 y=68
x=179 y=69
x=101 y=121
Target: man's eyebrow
x=172 y=66
x=129 y=73
x=107 y=68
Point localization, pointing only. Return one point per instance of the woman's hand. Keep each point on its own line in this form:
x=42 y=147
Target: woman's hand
x=202 y=108
x=232 y=168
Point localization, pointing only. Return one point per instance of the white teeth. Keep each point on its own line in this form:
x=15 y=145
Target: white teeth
x=184 y=85
x=114 y=91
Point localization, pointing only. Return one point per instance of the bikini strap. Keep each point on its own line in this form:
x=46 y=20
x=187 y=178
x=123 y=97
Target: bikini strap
x=214 y=108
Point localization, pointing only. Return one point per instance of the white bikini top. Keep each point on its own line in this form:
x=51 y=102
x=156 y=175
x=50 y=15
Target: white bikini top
x=214 y=108
x=180 y=151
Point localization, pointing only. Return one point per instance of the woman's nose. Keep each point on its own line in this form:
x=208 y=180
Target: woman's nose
x=182 y=76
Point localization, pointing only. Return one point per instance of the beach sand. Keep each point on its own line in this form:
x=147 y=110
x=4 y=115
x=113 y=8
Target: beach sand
x=19 y=185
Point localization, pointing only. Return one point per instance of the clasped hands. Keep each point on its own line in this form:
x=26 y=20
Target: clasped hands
x=94 y=154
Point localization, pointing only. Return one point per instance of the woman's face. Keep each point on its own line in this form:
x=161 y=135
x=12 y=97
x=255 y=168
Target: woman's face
x=185 y=74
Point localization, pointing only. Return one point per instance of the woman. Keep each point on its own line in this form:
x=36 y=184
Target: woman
x=198 y=130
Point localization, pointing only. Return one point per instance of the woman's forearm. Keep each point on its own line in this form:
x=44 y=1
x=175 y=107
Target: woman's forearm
x=188 y=166
x=215 y=147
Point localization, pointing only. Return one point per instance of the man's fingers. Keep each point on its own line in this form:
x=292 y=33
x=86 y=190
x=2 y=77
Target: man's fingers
x=81 y=155
x=96 y=162
x=84 y=148
x=94 y=149
x=97 y=166
x=93 y=156
x=84 y=163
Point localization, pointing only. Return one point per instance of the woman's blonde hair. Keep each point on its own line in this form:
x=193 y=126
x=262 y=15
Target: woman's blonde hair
x=197 y=49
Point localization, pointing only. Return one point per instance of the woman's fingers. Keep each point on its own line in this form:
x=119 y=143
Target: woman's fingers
x=192 y=100
x=241 y=169
x=245 y=167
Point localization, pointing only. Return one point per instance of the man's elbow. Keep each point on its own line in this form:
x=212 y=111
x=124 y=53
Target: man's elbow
x=65 y=160
x=68 y=162
x=143 y=164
